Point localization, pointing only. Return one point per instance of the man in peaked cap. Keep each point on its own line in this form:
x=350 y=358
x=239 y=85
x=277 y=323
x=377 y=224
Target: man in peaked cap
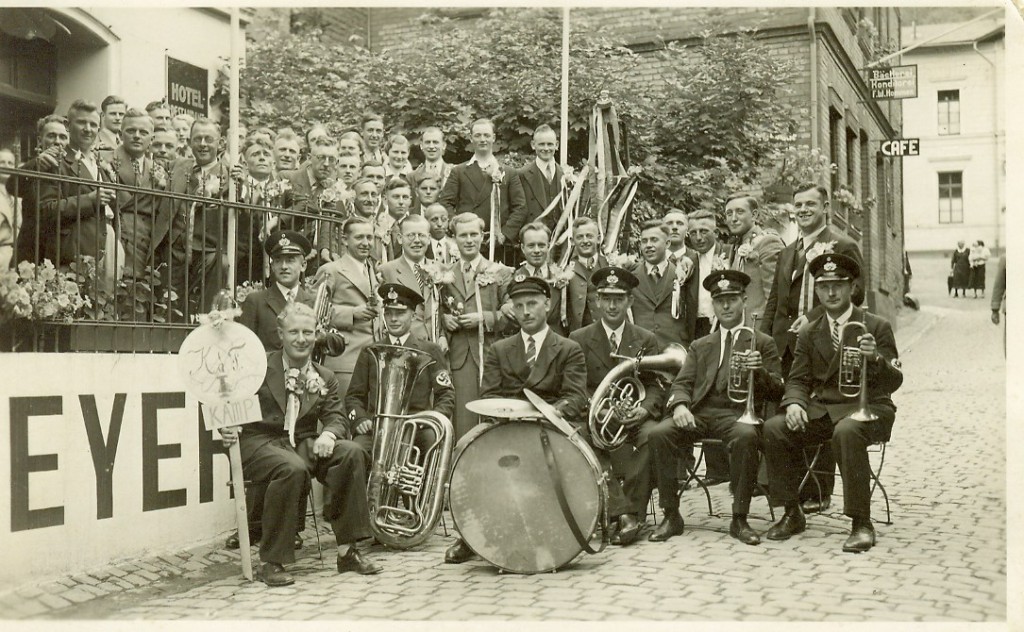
x=287 y=250
x=536 y=358
x=435 y=384
x=699 y=406
x=606 y=344
x=816 y=410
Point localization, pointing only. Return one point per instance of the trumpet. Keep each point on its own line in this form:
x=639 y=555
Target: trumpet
x=853 y=372
x=741 y=385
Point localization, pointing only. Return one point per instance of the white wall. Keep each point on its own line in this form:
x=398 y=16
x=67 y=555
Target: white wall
x=978 y=150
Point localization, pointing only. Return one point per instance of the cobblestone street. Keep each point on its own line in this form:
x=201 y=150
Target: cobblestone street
x=942 y=559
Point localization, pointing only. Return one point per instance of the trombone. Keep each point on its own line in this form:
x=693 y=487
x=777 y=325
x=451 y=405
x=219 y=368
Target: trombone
x=853 y=372
x=741 y=386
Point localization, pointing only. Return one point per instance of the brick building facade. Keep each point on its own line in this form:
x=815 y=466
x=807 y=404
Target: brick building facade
x=828 y=48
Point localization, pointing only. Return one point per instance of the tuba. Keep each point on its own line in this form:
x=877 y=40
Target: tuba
x=329 y=341
x=853 y=372
x=621 y=391
x=405 y=488
x=741 y=385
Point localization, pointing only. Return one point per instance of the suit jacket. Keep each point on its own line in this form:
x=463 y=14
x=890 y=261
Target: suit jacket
x=304 y=196
x=696 y=380
x=399 y=271
x=652 y=306
x=783 y=302
x=420 y=172
x=29 y=190
x=813 y=380
x=451 y=252
x=759 y=265
x=468 y=190
x=594 y=342
x=353 y=284
x=463 y=344
x=260 y=310
x=433 y=384
x=314 y=408
x=582 y=294
x=82 y=223
x=537 y=197
x=210 y=222
x=559 y=375
x=160 y=209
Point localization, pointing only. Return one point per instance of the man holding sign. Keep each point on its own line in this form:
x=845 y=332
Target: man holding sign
x=283 y=452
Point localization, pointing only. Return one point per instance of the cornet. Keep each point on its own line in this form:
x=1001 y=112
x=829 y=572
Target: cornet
x=853 y=372
x=741 y=386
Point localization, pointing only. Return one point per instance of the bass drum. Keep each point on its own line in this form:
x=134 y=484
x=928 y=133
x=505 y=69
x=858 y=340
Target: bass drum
x=504 y=502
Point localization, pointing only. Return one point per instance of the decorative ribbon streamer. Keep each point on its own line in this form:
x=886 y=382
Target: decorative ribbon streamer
x=564 y=310
x=677 y=288
x=495 y=229
x=291 y=415
x=480 y=330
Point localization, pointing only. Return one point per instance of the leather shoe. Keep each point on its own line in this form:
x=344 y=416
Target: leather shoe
x=233 y=543
x=740 y=530
x=862 y=537
x=815 y=505
x=791 y=523
x=353 y=561
x=458 y=553
x=629 y=530
x=298 y=541
x=274 y=575
x=711 y=481
x=670 y=526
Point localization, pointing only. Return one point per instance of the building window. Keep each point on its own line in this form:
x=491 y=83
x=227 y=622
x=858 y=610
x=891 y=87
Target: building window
x=949 y=112
x=951 y=197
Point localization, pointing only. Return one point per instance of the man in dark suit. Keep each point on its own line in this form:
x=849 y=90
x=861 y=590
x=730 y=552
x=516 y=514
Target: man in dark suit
x=605 y=344
x=542 y=184
x=481 y=186
x=52 y=136
x=537 y=358
x=535 y=243
x=792 y=301
x=308 y=194
x=660 y=300
x=269 y=456
x=432 y=145
x=580 y=294
x=433 y=388
x=700 y=407
x=817 y=411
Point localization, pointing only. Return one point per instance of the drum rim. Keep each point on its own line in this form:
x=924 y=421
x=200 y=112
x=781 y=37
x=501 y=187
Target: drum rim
x=588 y=457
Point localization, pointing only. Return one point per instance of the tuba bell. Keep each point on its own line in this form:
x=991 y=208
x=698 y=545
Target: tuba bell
x=405 y=487
x=329 y=341
x=853 y=372
x=621 y=391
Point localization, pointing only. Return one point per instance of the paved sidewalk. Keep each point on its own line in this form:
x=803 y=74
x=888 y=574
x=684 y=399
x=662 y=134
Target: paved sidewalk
x=942 y=559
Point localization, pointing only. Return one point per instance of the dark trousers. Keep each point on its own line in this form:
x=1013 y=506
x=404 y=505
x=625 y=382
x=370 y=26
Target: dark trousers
x=741 y=443
x=826 y=460
x=849 y=440
x=287 y=470
x=633 y=464
x=207 y=276
x=716 y=459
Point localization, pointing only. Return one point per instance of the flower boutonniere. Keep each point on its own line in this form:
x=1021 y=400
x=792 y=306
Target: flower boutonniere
x=820 y=248
x=561 y=277
x=314 y=383
x=276 y=188
x=292 y=383
x=684 y=268
x=332 y=194
x=210 y=186
x=453 y=307
x=620 y=260
x=108 y=169
x=493 y=274
x=438 y=272
x=495 y=171
x=719 y=262
x=158 y=175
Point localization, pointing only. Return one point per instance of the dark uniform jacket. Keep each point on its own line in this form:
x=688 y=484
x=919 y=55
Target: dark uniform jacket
x=314 y=408
x=813 y=380
x=260 y=310
x=361 y=398
x=594 y=342
x=468 y=190
x=696 y=380
x=559 y=374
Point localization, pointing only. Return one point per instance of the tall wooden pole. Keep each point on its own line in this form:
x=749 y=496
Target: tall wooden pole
x=564 y=148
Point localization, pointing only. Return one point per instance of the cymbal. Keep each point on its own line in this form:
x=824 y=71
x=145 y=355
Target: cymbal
x=504 y=408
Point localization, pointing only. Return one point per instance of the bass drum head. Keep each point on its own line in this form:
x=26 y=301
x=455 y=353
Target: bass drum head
x=504 y=504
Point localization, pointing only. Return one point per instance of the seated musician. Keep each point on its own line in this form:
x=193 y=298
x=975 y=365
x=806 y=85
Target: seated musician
x=537 y=358
x=817 y=411
x=613 y=336
x=268 y=455
x=434 y=384
x=700 y=405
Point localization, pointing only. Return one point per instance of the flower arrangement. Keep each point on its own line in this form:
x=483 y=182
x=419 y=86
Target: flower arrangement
x=298 y=383
x=820 y=248
x=40 y=292
x=334 y=193
x=718 y=262
x=210 y=187
x=276 y=188
x=158 y=175
x=437 y=272
x=684 y=268
x=246 y=288
x=621 y=260
x=217 y=316
x=560 y=277
x=452 y=306
x=493 y=274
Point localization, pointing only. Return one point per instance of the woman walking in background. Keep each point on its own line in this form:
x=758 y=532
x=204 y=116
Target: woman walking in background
x=960 y=269
x=978 y=258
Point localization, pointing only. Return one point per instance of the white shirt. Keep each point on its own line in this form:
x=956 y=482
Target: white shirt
x=400 y=340
x=809 y=240
x=842 y=319
x=705 y=308
x=302 y=370
x=537 y=272
x=490 y=162
x=618 y=333
x=588 y=262
x=89 y=161
x=545 y=166
x=661 y=267
x=538 y=338
x=721 y=341
x=678 y=254
x=433 y=168
x=440 y=248
x=294 y=292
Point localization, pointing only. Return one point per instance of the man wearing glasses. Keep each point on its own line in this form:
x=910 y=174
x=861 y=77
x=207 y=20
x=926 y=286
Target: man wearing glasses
x=414 y=234
x=307 y=195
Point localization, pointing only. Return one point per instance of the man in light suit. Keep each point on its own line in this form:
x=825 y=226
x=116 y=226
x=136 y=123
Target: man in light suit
x=353 y=281
x=432 y=144
x=537 y=358
x=470 y=186
x=406 y=270
x=711 y=255
x=471 y=304
x=755 y=253
x=581 y=295
x=112 y=112
x=699 y=406
x=542 y=183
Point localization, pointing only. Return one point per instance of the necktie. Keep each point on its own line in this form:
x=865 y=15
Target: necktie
x=396 y=341
x=531 y=351
x=549 y=173
x=656 y=274
x=835 y=335
x=800 y=254
x=470 y=277
x=613 y=340
x=291 y=296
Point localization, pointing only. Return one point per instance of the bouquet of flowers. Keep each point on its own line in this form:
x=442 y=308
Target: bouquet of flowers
x=621 y=260
x=40 y=293
x=560 y=277
x=820 y=248
x=298 y=383
x=493 y=274
x=276 y=188
x=718 y=262
x=158 y=175
x=437 y=272
x=246 y=288
x=334 y=193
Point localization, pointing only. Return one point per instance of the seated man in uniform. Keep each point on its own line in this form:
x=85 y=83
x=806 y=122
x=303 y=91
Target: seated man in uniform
x=268 y=455
x=537 y=358
x=701 y=407
x=601 y=342
x=433 y=385
x=816 y=411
